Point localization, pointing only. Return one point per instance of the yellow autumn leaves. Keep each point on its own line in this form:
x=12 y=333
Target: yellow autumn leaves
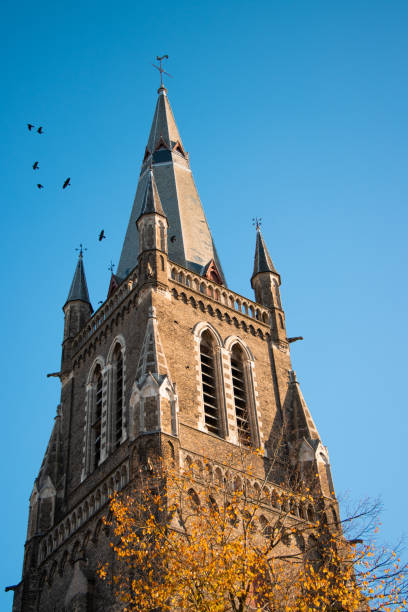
x=185 y=541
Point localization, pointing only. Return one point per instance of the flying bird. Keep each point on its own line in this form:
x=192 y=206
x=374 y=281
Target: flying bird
x=36 y=166
x=40 y=130
x=66 y=183
x=30 y=126
x=101 y=236
x=40 y=186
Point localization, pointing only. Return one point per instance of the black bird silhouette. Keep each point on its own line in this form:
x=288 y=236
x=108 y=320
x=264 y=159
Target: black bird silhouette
x=101 y=235
x=40 y=130
x=66 y=183
x=36 y=166
x=40 y=186
x=30 y=126
x=173 y=239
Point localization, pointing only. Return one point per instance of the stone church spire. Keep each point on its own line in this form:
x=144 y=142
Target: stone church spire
x=190 y=242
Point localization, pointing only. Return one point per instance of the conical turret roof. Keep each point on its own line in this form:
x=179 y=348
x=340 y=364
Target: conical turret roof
x=79 y=287
x=190 y=241
x=263 y=261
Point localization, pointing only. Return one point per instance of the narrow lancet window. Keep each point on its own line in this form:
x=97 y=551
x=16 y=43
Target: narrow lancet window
x=240 y=396
x=118 y=397
x=209 y=383
x=97 y=417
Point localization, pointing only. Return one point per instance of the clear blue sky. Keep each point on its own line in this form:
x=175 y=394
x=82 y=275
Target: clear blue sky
x=292 y=111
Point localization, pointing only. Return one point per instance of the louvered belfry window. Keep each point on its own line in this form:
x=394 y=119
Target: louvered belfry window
x=118 y=398
x=97 y=416
x=209 y=383
x=240 y=396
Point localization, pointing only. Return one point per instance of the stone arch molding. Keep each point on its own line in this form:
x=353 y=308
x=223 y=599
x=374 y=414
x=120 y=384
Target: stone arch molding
x=201 y=327
x=118 y=340
x=99 y=360
x=231 y=340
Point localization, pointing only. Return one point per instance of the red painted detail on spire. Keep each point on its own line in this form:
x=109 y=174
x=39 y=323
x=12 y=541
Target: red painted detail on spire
x=211 y=272
x=179 y=148
x=146 y=155
x=113 y=285
x=162 y=144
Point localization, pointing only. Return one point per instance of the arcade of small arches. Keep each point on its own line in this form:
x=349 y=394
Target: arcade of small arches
x=84 y=511
x=222 y=316
x=219 y=294
x=267 y=495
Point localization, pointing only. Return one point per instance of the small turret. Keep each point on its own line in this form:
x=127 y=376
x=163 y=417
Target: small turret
x=152 y=225
x=77 y=309
x=265 y=282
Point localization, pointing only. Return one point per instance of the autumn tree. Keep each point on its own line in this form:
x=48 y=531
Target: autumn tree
x=195 y=539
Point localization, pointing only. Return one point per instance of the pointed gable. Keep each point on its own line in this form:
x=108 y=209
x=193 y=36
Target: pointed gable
x=302 y=425
x=152 y=358
x=211 y=272
x=113 y=285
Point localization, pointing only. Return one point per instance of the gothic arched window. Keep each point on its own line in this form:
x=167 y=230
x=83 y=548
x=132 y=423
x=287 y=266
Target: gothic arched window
x=240 y=395
x=96 y=416
x=209 y=384
x=117 y=407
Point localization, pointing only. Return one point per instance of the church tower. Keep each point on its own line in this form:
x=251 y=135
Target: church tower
x=174 y=363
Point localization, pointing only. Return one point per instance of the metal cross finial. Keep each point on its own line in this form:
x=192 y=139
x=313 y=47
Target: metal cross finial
x=257 y=221
x=81 y=250
x=111 y=266
x=161 y=69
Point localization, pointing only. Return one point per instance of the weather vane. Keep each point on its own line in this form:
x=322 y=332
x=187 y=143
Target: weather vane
x=161 y=69
x=111 y=266
x=257 y=221
x=81 y=249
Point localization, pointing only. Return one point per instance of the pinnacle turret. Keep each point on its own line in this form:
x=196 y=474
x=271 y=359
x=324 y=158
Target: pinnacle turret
x=265 y=281
x=263 y=261
x=79 y=287
x=78 y=308
x=151 y=201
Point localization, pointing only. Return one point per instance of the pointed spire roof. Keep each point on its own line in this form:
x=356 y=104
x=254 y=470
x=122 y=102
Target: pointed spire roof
x=263 y=261
x=151 y=200
x=164 y=125
x=79 y=288
x=190 y=242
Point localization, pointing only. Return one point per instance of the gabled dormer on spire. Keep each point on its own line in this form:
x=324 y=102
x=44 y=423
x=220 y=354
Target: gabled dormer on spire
x=77 y=308
x=266 y=281
x=190 y=242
